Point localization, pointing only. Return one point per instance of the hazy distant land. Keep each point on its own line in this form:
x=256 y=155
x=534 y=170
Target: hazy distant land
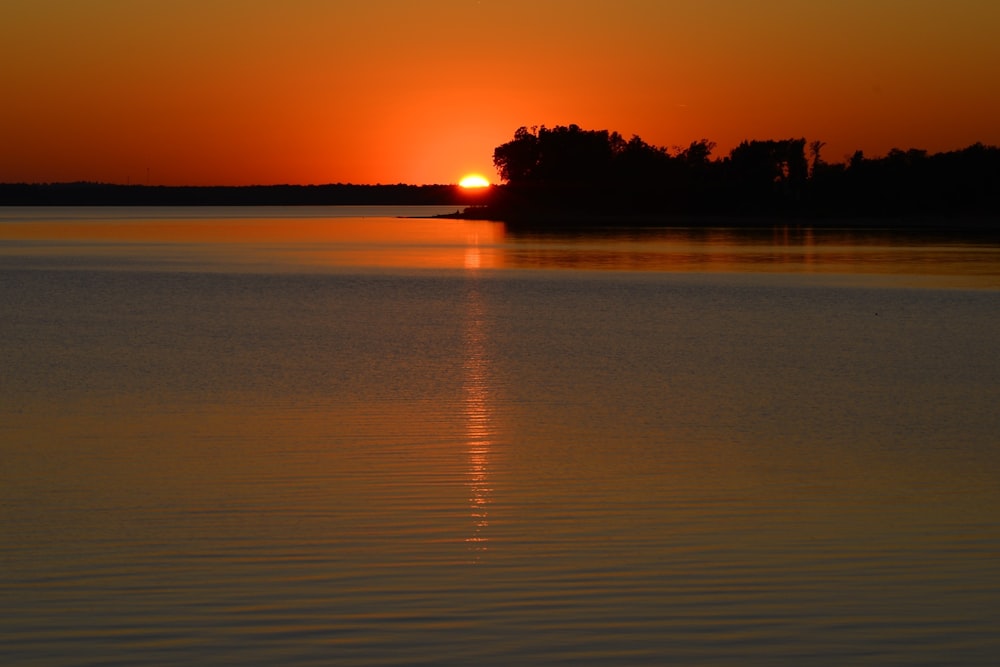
x=109 y=194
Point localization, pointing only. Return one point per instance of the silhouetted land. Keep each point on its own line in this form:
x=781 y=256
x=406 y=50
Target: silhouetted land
x=105 y=194
x=566 y=175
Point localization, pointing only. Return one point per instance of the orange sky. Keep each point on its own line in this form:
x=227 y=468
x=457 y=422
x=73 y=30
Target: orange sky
x=421 y=91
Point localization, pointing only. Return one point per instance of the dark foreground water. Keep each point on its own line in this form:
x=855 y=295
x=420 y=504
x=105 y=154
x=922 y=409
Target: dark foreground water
x=256 y=439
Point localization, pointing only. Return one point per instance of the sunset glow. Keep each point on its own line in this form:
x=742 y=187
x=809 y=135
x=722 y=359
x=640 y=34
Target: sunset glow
x=310 y=92
x=474 y=181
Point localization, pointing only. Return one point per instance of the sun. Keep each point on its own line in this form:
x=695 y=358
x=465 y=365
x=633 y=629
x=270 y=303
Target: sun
x=474 y=181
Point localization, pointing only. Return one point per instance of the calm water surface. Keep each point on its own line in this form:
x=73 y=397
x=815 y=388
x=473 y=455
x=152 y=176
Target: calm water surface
x=329 y=436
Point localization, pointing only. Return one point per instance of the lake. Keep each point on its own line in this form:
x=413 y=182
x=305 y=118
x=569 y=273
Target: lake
x=312 y=436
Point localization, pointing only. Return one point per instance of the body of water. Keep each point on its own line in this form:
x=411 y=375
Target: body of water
x=335 y=436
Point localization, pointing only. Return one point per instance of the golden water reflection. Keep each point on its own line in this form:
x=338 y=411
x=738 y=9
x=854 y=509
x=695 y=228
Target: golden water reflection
x=331 y=243
x=478 y=413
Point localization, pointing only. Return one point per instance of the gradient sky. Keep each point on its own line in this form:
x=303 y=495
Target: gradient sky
x=234 y=92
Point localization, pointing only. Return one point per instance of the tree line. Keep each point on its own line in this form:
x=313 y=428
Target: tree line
x=109 y=194
x=568 y=169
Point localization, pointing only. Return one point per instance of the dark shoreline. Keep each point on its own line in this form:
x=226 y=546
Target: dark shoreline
x=107 y=194
x=485 y=205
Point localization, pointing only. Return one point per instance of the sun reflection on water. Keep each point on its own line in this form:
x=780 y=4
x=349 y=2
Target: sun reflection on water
x=479 y=426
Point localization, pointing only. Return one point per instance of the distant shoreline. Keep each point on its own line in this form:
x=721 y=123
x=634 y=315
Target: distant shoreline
x=477 y=205
x=107 y=194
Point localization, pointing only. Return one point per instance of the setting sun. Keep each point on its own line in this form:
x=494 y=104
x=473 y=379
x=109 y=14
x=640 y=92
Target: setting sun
x=474 y=181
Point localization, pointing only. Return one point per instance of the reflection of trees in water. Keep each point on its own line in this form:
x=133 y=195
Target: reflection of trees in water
x=780 y=248
x=478 y=405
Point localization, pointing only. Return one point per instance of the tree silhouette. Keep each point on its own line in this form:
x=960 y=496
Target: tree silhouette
x=814 y=150
x=517 y=160
x=769 y=173
x=698 y=153
x=560 y=156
